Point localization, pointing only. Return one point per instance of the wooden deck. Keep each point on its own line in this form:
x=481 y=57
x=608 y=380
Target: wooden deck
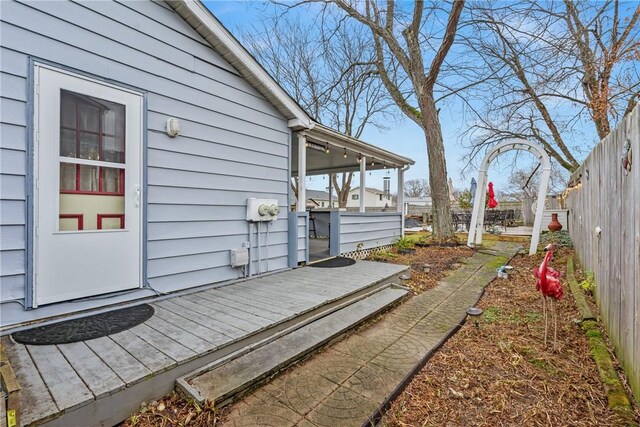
x=101 y=381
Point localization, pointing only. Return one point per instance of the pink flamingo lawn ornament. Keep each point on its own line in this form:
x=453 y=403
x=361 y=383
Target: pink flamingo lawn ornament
x=548 y=283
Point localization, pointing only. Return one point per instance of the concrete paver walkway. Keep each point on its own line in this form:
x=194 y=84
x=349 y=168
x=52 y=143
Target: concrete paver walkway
x=347 y=382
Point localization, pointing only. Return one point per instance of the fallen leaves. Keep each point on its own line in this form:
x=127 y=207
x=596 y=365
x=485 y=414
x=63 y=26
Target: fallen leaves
x=501 y=374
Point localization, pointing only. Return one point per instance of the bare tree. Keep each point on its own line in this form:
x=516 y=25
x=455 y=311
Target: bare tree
x=332 y=76
x=550 y=71
x=411 y=45
x=417 y=188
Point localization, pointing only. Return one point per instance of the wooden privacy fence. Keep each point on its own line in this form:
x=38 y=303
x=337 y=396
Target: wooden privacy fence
x=603 y=199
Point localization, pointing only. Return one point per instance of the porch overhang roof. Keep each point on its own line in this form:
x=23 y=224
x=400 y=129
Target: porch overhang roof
x=319 y=162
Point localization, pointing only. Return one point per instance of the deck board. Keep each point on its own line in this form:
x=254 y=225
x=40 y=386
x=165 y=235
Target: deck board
x=33 y=391
x=208 y=321
x=100 y=379
x=221 y=318
x=237 y=317
x=214 y=337
x=271 y=295
x=261 y=314
x=129 y=369
x=63 y=382
x=251 y=304
x=186 y=331
x=163 y=343
x=187 y=339
x=144 y=352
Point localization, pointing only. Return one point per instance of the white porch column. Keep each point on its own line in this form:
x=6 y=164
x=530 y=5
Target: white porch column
x=301 y=206
x=330 y=190
x=363 y=174
x=400 y=195
x=400 y=199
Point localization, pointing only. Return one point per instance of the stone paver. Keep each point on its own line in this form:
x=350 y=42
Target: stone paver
x=344 y=384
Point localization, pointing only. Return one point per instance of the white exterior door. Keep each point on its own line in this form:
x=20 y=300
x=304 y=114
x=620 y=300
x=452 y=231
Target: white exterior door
x=87 y=187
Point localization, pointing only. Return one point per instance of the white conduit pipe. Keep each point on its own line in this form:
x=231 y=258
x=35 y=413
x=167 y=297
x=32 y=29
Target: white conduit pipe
x=259 y=249
x=267 y=245
x=250 y=272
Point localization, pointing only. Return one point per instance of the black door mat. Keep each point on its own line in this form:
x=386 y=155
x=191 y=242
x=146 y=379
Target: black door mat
x=86 y=328
x=334 y=262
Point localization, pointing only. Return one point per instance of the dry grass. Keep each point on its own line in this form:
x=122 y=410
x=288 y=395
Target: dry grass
x=500 y=374
x=173 y=411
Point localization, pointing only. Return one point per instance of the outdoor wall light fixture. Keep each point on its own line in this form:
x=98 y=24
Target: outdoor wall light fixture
x=173 y=127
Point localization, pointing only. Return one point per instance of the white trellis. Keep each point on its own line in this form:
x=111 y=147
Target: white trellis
x=477 y=221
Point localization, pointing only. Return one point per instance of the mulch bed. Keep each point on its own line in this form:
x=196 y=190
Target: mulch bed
x=440 y=260
x=500 y=374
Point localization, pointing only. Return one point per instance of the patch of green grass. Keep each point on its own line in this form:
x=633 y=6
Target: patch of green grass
x=559 y=238
x=544 y=365
x=497 y=262
x=491 y=314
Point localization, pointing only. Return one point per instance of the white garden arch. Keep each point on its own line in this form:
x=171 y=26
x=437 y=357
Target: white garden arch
x=477 y=220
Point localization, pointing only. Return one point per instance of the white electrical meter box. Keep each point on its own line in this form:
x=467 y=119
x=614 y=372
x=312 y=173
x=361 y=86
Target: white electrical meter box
x=259 y=210
x=239 y=257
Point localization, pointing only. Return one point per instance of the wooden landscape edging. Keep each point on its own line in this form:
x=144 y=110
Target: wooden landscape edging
x=11 y=387
x=617 y=399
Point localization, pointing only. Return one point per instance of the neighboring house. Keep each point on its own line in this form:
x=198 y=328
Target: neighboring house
x=317 y=200
x=133 y=137
x=320 y=199
x=373 y=198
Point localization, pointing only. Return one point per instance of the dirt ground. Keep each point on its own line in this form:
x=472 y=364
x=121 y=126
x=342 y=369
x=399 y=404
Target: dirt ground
x=501 y=374
x=439 y=259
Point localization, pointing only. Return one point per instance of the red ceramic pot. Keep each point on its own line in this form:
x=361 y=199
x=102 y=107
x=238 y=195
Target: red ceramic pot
x=554 y=225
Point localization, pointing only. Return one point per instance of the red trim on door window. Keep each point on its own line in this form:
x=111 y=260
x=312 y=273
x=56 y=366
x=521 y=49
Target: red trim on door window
x=102 y=216
x=79 y=217
x=120 y=191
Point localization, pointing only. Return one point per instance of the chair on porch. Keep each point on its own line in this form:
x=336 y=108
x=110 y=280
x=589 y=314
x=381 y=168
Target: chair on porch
x=312 y=226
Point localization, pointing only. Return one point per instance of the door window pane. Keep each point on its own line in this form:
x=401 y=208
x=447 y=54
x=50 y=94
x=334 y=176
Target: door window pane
x=112 y=180
x=68 y=143
x=67 y=176
x=89 y=146
x=89 y=115
x=89 y=178
x=91 y=128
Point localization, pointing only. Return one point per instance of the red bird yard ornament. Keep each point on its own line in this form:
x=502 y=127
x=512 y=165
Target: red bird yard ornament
x=548 y=283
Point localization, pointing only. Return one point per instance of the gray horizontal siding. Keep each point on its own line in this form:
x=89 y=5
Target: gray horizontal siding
x=233 y=143
x=368 y=230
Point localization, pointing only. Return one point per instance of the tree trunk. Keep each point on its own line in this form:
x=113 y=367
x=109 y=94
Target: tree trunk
x=442 y=226
x=342 y=191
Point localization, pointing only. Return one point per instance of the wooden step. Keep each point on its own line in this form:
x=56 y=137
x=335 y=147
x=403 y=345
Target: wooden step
x=225 y=379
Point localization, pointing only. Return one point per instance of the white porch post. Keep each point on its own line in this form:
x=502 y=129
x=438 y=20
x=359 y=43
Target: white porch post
x=301 y=206
x=400 y=198
x=363 y=174
x=330 y=190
